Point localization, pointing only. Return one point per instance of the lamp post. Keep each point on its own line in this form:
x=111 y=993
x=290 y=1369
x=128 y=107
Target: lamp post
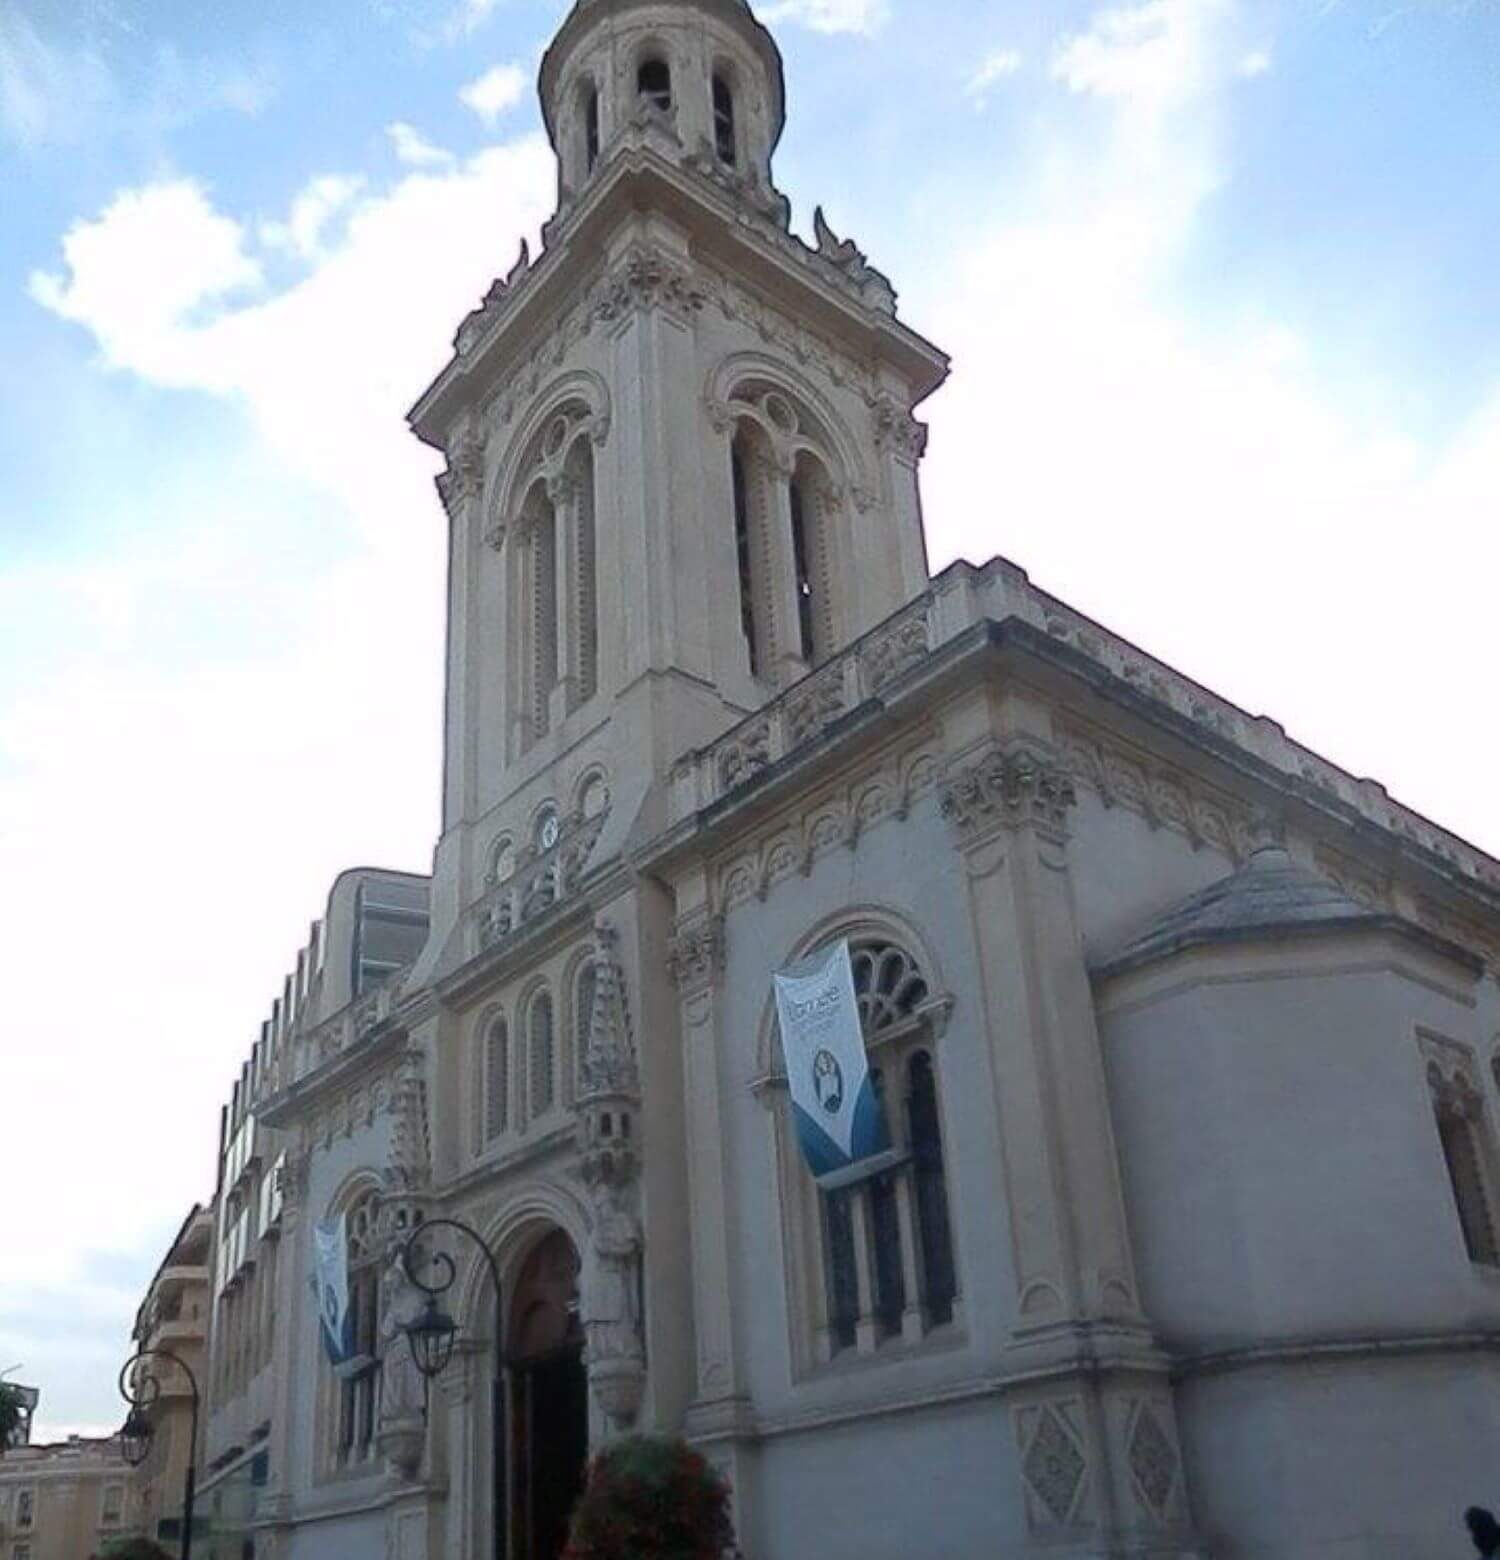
x=140 y=1386
x=433 y=1334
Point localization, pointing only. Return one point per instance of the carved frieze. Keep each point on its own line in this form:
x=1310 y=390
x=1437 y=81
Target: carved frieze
x=899 y=648
x=1008 y=788
x=1154 y=1463
x=744 y=754
x=648 y=278
x=1054 y=1463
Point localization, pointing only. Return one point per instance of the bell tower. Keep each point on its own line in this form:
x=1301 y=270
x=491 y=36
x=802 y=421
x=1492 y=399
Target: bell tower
x=681 y=451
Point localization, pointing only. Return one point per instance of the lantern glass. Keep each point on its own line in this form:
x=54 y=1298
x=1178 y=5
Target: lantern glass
x=432 y=1337
x=135 y=1437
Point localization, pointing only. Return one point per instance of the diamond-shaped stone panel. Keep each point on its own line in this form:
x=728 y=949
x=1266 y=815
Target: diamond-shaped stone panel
x=1153 y=1461
x=1054 y=1466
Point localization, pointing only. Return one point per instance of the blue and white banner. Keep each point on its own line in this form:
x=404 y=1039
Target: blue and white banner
x=839 y=1120
x=331 y=1265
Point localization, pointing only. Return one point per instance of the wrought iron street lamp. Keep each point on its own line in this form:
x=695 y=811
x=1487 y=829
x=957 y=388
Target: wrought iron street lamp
x=140 y=1386
x=434 y=1333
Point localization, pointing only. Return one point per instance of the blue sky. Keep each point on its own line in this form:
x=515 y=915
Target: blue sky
x=1218 y=277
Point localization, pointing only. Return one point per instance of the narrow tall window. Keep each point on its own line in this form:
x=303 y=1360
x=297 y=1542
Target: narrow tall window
x=724 y=139
x=543 y=618
x=800 y=558
x=496 y=1080
x=541 y=1057
x=742 y=547
x=590 y=127
x=925 y=1134
x=585 y=576
x=654 y=82
x=1462 y=1152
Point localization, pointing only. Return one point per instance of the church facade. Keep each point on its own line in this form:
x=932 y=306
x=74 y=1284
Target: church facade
x=1185 y=1039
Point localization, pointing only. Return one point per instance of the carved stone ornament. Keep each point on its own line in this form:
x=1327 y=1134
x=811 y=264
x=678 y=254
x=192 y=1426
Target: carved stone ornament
x=649 y=279
x=896 y=651
x=403 y=1430
x=744 y=755
x=614 y=1340
x=464 y=478
x=1153 y=1462
x=1054 y=1466
x=695 y=955
x=897 y=430
x=1008 y=789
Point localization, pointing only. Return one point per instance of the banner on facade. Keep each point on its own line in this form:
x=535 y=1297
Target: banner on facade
x=331 y=1269
x=839 y=1121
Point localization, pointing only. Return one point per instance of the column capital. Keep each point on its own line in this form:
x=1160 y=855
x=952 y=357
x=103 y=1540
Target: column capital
x=1013 y=787
x=463 y=481
x=695 y=955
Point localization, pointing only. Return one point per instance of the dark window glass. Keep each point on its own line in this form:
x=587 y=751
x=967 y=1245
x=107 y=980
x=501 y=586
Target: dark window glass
x=1462 y=1155
x=742 y=551
x=934 y=1236
x=843 y=1281
x=724 y=142
x=591 y=127
x=804 y=573
x=654 y=82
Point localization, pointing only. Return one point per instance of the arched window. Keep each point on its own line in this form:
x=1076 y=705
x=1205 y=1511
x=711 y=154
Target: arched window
x=1459 y=1109
x=654 y=83
x=357 y=1381
x=496 y=1089
x=885 y=1243
x=724 y=137
x=590 y=126
x=542 y=1054
x=787 y=519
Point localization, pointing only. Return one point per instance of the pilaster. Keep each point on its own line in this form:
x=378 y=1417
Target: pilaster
x=1096 y=1437
x=721 y=1412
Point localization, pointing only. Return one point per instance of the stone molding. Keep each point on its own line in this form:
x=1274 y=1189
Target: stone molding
x=1008 y=788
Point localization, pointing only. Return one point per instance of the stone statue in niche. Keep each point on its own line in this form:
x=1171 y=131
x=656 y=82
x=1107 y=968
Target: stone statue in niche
x=615 y=1354
x=402 y=1390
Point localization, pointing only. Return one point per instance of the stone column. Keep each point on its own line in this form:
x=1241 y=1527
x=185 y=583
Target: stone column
x=1097 y=1442
x=461 y=488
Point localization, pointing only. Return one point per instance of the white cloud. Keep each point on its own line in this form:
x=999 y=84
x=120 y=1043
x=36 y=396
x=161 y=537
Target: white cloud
x=414 y=149
x=139 y=271
x=998 y=66
x=830 y=16
x=313 y=209
x=1152 y=53
x=1256 y=63
x=187 y=722
x=497 y=90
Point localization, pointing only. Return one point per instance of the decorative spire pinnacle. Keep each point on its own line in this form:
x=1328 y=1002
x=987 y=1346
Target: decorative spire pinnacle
x=609 y=1062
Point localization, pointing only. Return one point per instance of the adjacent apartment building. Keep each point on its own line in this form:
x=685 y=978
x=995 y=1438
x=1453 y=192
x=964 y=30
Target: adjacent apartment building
x=63 y=1501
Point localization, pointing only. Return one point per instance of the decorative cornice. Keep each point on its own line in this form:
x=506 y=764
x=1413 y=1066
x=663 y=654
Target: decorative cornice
x=695 y=955
x=1010 y=789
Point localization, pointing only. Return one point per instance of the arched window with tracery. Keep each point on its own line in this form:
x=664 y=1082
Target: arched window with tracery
x=786 y=518
x=351 y=1394
x=555 y=573
x=881 y=1248
x=542 y=1054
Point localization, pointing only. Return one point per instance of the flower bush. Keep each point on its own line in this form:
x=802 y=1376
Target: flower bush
x=650 y=1498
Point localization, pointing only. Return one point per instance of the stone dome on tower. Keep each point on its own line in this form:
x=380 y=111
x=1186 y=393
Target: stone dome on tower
x=702 y=78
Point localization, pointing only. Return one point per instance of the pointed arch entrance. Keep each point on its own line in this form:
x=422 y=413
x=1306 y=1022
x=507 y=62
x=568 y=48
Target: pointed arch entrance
x=548 y=1398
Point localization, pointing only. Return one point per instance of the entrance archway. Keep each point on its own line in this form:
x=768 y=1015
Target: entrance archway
x=549 y=1418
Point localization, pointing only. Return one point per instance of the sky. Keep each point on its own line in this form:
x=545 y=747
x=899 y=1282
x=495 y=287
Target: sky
x=1219 y=281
